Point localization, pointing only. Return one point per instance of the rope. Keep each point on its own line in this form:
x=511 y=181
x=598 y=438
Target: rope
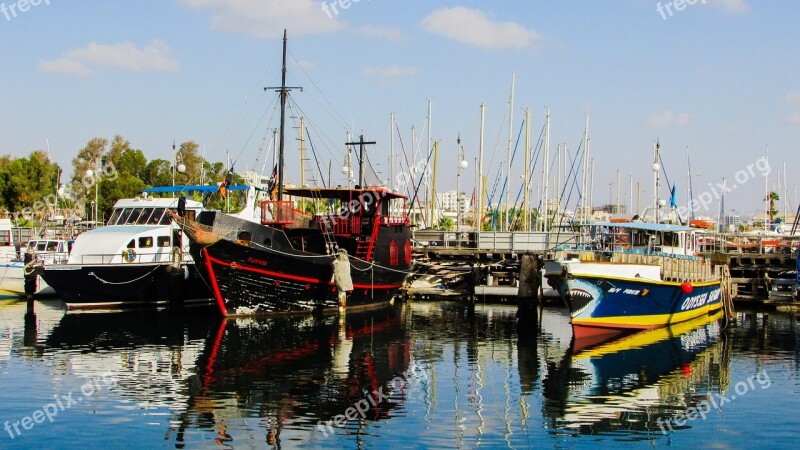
x=127 y=282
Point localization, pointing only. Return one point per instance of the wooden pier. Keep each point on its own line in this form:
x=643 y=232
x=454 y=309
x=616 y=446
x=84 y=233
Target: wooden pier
x=754 y=265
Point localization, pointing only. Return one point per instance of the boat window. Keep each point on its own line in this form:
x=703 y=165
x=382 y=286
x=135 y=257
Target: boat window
x=41 y=245
x=123 y=218
x=165 y=219
x=156 y=217
x=145 y=242
x=163 y=241
x=52 y=246
x=5 y=237
x=132 y=243
x=145 y=216
x=115 y=216
x=134 y=215
x=31 y=245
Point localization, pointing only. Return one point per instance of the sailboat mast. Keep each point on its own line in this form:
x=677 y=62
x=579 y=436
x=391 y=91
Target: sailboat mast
x=283 y=120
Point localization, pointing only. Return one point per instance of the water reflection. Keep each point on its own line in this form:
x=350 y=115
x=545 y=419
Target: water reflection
x=637 y=382
x=468 y=378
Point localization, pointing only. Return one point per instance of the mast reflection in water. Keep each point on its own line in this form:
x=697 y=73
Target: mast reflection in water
x=198 y=381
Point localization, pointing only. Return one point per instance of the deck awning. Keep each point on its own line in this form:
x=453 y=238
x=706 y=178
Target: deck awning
x=343 y=194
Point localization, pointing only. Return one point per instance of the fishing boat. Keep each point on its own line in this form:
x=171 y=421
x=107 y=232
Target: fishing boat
x=637 y=276
x=140 y=258
x=353 y=252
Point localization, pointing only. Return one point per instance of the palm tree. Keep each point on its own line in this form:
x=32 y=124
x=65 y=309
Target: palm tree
x=773 y=199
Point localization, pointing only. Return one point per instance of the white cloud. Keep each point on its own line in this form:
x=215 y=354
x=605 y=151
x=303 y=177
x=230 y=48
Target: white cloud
x=156 y=57
x=793 y=118
x=386 y=73
x=793 y=98
x=64 y=67
x=268 y=18
x=394 y=34
x=667 y=119
x=730 y=6
x=473 y=27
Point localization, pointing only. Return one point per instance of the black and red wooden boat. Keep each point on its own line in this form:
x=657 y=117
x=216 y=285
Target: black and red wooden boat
x=285 y=263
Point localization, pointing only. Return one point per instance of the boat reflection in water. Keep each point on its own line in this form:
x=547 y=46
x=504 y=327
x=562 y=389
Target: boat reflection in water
x=637 y=383
x=232 y=381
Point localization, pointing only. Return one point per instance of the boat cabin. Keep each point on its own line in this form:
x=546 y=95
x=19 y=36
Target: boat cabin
x=352 y=219
x=138 y=231
x=645 y=238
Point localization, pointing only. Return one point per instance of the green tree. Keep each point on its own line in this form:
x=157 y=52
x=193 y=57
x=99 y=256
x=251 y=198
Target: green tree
x=447 y=224
x=29 y=183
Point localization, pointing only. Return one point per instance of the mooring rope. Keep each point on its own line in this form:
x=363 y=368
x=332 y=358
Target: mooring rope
x=127 y=282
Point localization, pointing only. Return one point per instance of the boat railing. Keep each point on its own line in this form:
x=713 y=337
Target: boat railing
x=127 y=258
x=395 y=220
x=339 y=225
x=277 y=212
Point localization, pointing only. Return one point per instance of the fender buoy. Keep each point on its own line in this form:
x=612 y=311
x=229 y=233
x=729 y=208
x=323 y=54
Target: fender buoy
x=129 y=255
x=687 y=287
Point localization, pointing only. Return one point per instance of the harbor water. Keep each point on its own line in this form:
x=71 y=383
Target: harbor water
x=416 y=375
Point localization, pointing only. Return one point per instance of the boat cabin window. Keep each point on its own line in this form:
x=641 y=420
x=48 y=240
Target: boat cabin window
x=134 y=215
x=146 y=213
x=146 y=242
x=5 y=237
x=155 y=218
x=132 y=243
x=52 y=246
x=115 y=216
x=162 y=241
x=41 y=245
x=126 y=213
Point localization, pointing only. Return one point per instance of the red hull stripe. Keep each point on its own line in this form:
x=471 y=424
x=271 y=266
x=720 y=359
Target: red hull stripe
x=214 y=285
x=262 y=271
x=210 y=259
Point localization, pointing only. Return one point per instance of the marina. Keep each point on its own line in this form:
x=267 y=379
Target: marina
x=290 y=224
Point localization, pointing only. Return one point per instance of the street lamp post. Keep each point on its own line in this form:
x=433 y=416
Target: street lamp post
x=177 y=164
x=462 y=164
x=93 y=174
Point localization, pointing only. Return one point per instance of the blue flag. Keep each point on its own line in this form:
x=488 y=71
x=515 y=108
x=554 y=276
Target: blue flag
x=673 y=197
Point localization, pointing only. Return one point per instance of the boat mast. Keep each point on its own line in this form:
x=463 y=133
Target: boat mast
x=284 y=91
x=283 y=120
x=479 y=219
x=656 y=179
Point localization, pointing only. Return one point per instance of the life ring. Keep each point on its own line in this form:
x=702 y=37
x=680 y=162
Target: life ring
x=129 y=255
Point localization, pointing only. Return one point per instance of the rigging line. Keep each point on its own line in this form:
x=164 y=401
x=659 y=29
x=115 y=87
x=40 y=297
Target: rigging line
x=532 y=168
x=235 y=118
x=322 y=135
x=302 y=69
x=497 y=142
x=416 y=191
x=316 y=160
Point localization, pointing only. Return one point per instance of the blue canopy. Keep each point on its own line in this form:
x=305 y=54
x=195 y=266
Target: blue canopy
x=194 y=188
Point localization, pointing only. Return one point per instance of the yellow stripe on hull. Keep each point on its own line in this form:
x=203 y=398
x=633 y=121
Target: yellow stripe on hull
x=646 y=322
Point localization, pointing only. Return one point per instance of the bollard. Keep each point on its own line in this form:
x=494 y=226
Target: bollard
x=528 y=294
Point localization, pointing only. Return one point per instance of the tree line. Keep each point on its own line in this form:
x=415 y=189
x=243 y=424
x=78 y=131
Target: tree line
x=34 y=188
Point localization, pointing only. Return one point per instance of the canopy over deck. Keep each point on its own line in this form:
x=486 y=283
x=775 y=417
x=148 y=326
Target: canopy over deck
x=343 y=194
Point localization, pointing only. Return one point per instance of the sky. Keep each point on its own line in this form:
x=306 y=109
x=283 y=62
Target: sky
x=720 y=78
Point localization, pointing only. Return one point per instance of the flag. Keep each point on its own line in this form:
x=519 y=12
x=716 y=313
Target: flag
x=272 y=186
x=673 y=197
x=223 y=187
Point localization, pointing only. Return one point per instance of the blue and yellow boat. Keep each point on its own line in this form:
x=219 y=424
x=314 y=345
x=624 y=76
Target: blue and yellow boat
x=637 y=276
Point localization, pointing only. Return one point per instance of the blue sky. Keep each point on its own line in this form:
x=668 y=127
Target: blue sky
x=721 y=77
